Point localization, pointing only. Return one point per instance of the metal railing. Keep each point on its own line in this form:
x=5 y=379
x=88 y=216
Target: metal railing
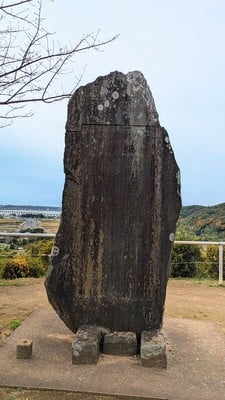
x=189 y=242
x=26 y=234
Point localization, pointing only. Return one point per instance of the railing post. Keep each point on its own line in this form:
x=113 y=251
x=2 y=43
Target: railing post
x=220 y=264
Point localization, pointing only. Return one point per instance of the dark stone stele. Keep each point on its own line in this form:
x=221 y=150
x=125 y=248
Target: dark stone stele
x=121 y=202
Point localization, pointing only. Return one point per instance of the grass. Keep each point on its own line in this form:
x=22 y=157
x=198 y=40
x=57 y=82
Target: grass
x=196 y=281
x=200 y=281
x=7 y=282
x=10 y=397
x=33 y=281
x=22 y=394
x=18 y=282
x=14 y=324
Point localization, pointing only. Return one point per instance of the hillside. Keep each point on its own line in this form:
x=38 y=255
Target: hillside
x=206 y=223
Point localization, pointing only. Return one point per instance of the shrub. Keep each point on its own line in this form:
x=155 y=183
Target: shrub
x=2 y=267
x=37 y=254
x=184 y=260
x=32 y=262
x=209 y=268
x=192 y=260
x=36 y=268
x=16 y=267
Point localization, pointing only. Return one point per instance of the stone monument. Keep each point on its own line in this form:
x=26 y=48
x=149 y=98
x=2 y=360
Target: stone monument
x=121 y=201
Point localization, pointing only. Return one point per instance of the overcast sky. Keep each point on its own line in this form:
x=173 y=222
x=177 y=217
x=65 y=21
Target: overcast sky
x=179 y=45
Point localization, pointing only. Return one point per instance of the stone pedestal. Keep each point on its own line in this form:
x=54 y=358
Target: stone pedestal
x=153 y=349
x=24 y=349
x=90 y=340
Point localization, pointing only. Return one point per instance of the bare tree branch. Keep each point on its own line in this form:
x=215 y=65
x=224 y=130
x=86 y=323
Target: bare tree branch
x=3 y=7
x=30 y=62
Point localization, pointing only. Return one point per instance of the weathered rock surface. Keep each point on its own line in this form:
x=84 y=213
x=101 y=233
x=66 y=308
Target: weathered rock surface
x=121 y=202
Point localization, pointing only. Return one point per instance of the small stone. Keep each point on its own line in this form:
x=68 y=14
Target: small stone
x=24 y=349
x=86 y=344
x=2 y=339
x=7 y=333
x=120 y=343
x=153 y=349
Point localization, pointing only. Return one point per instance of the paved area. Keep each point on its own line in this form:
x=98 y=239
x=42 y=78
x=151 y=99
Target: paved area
x=196 y=362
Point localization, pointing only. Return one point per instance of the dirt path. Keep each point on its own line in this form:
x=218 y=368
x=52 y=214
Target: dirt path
x=184 y=300
x=16 y=302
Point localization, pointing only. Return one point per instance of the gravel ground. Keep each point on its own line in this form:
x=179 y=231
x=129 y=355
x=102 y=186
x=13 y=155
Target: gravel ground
x=196 y=368
x=194 y=324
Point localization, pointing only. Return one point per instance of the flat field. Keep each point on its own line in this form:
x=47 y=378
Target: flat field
x=49 y=225
x=13 y=224
x=9 y=225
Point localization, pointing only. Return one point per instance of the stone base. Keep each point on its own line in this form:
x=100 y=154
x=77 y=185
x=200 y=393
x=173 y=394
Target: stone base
x=153 y=349
x=24 y=349
x=90 y=340
x=120 y=343
x=86 y=345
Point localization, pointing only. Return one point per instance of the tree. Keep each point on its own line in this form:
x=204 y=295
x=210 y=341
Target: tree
x=31 y=61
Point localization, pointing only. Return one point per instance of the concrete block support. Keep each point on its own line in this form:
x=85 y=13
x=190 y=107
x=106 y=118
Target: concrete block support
x=153 y=349
x=24 y=349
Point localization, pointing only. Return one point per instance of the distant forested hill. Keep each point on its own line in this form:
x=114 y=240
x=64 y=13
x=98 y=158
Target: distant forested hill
x=202 y=222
